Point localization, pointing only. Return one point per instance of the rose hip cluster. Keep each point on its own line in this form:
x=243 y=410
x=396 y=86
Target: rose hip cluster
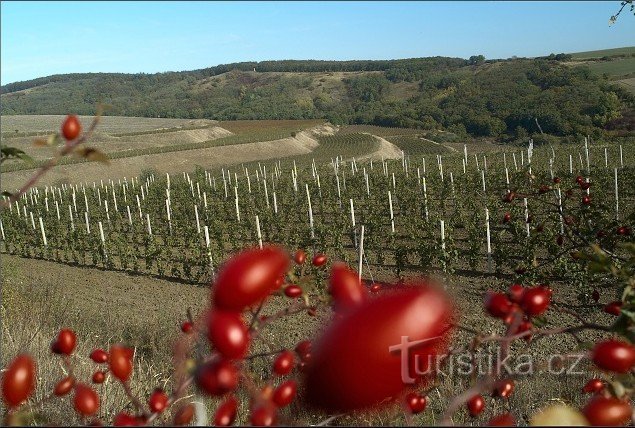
x=518 y=305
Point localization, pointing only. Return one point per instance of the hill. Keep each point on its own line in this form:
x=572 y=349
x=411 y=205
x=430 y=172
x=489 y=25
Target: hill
x=499 y=99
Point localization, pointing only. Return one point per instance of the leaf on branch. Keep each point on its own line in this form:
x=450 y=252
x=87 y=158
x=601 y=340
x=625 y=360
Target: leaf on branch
x=92 y=154
x=12 y=152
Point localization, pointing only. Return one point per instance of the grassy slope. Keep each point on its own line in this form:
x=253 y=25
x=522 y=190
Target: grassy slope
x=604 y=52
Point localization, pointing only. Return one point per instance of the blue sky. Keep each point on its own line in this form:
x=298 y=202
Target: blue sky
x=45 y=38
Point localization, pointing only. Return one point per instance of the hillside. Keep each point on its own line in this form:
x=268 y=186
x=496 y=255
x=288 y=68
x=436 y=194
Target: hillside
x=495 y=98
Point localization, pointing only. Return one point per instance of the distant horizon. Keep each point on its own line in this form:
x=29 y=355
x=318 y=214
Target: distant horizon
x=40 y=39
x=301 y=59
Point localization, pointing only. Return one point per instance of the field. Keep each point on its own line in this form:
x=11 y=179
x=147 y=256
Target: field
x=121 y=252
x=605 y=52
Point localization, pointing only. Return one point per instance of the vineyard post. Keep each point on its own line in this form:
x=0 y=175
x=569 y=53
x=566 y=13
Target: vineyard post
x=74 y=202
x=452 y=184
x=143 y=195
x=606 y=158
x=621 y=157
x=24 y=210
x=205 y=200
x=617 y=199
x=483 y=180
x=87 y=223
x=129 y=215
x=394 y=183
x=361 y=252
x=86 y=200
x=308 y=197
x=114 y=199
x=425 y=197
x=266 y=192
x=167 y=209
x=149 y=226
x=580 y=158
x=103 y=240
x=367 y=185
x=237 y=208
x=198 y=224
x=57 y=208
x=107 y=214
x=485 y=162
x=526 y=216
x=560 y=211
x=442 y=235
x=570 y=163
x=392 y=217
x=353 y=221
x=275 y=203
x=198 y=190
x=139 y=206
x=41 y=230
x=478 y=168
x=124 y=188
x=248 y=185
x=424 y=165
x=586 y=152
x=225 y=184
x=209 y=252
x=2 y=230
x=258 y=232
x=515 y=163
x=489 y=243
x=70 y=214
x=46 y=202
x=464 y=169
x=465 y=155
x=507 y=178
x=522 y=158
x=551 y=167
x=441 y=168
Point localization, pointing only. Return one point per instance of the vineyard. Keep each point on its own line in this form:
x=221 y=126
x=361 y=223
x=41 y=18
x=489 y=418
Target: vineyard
x=433 y=210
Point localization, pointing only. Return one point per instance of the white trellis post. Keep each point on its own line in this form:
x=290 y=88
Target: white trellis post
x=483 y=179
x=570 y=163
x=57 y=208
x=586 y=152
x=339 y=193
x=237 y=207
x=70 y=214
x=258 y=232
x=361 y=253
x=167 y=210
x=107 y=214
x=209 y=252
x=560 y=211
x=442 y=235
x=139 y=206
x=425 y=198
x=489 y=243
x=526 y=216
x=515 y=163
x=87 y=223
x=308 y=197
x=2 y=230
x=103 y=240
x=129 y=215
x=205 y=200
x=267 y=192
x=41 y=230
x=275 y=203
x=606 y=158
x=148 y=223
x=617 y=199
x=392 y=216
x=198 y=224
x=621 y=157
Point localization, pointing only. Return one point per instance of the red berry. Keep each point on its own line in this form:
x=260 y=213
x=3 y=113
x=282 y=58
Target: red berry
x=607 y=411
x=476 y=405
x=497 y=305
x=217 y=377
x=416 y=403
x=593 y=385
x=375 y=288
x=504 y=420
x=249 y=277
x=123 y=419
x=184 y=415
x=187 y=327
x=586 y=200
x=579 y=179
x=86 y=400
x=504 y=388
x=120 y=362
x=226 y=412
x=507 y=218
x=614 y=355
x=158 y=401
x=556 y=180
x=65 y=342
x=99 y=377
x=543 y=189
x=595 y=295
x=284 y=363
x=614 y=308
x=303 y=348
x=299 y=257
x=228 y=333
x=18 y=381
x=99 y=356
x=285 y=393
x=319 y=260
x=71 y=127
x=263 y=415
x=509 y=197
x=336 y=380
x=345 y=288
x=585 y=185
x=535 y=300
x=516 y=292
x=292 y=291
x=64 y=386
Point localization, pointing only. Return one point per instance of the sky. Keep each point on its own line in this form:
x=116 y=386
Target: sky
x=45 y=38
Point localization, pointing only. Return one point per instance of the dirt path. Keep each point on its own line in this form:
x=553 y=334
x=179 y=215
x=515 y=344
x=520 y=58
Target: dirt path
x=387 y=150
x=176 y=162
x=452 y=149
